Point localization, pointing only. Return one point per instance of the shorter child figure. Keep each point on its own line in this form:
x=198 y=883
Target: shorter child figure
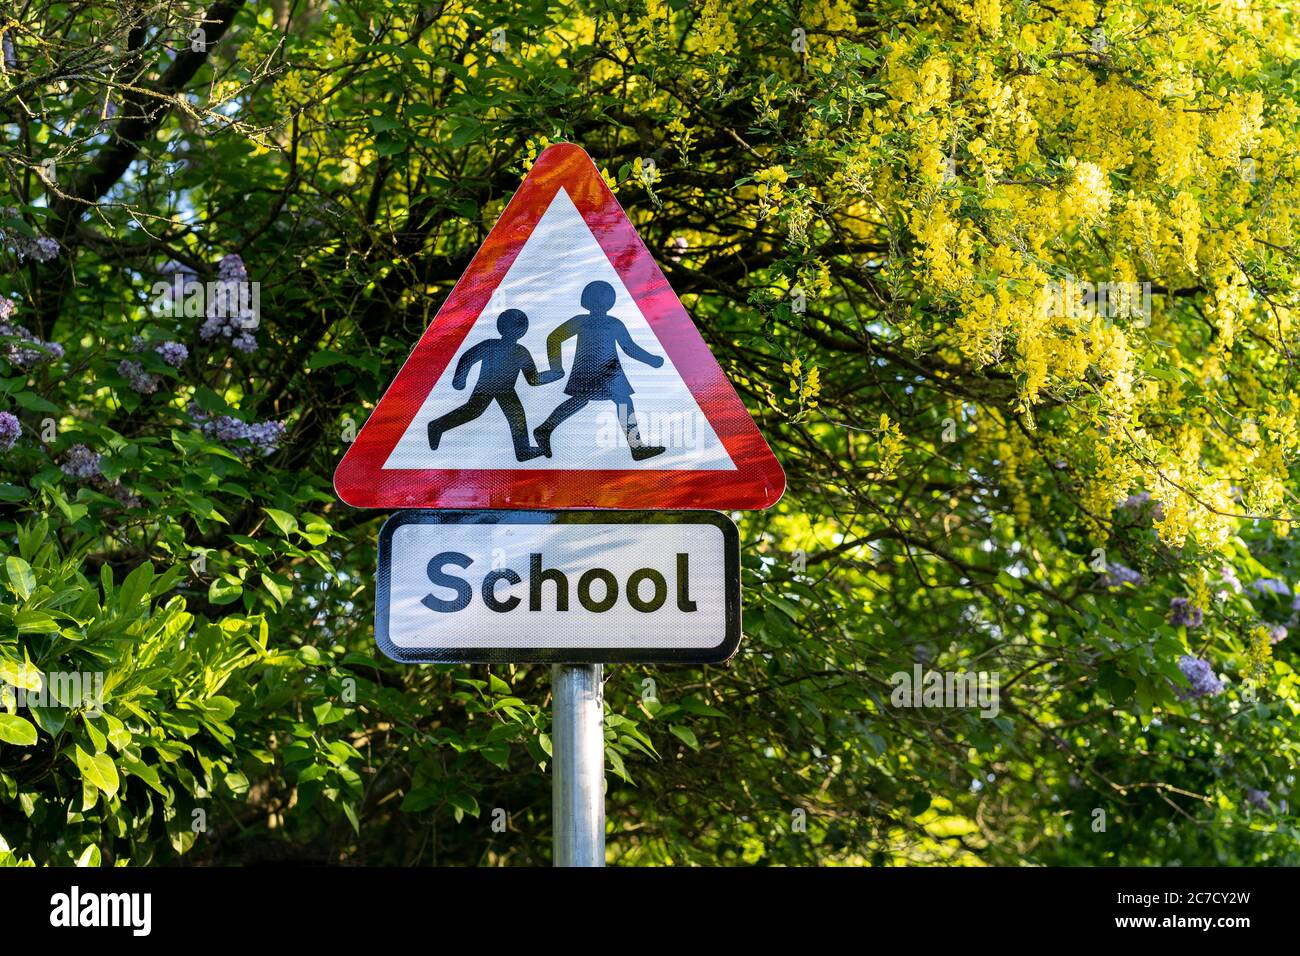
x=503 y=359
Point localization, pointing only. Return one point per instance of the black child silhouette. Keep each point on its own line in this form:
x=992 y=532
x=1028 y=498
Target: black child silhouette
x=503 y=359
x=597 y=373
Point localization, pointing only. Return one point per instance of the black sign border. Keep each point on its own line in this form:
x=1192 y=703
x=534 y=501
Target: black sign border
x=568 y=655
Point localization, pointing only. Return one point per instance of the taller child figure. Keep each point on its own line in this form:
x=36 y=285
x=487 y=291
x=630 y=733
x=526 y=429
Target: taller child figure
x=597 y=373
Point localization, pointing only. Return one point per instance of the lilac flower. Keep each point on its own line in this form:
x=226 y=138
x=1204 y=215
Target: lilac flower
x=142 y=381
x=1183 y=613
x=28 y=350
x=266 y=436
x=231 y=268
x=1200 y=675
x=81 y=462
x=261 y=437
x=1118 y=575
x=40 y=249
x=1257 y=798
x=7 y=308
x=1276 y=633
x=1271 y=586
x=173 y=353
x=232 y=310
x=43 y=249
x=10 y=430
x=139 y=380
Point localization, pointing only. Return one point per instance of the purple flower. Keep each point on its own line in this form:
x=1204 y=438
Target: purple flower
x=1183 y=613
x=260 y=437
x=1118 y=575
x=232 y=311
x=41 y=249
x=1257 y=798
x=1276 y=633
x=81 y=462
x=28 y=350
x=139 y=380
x=1200 y=675
x=231 y=268
x=1271 y=586
x=266 y=436
x=173 y=353
x=10 y=430
x=7 y=308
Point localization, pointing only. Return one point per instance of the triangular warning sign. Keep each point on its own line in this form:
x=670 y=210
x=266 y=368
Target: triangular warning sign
x=561 y=372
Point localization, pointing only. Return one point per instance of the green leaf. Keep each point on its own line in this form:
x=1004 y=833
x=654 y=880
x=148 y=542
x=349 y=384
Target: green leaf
x=35 y=622
x=99 y=770
x=22 y=674
x=279 y=589
x=464 y=802
x=421 y=798
x=16 y=730
x=89 y=856
x=286 y=522
x=135 y=588
x=20 y=576
x=34 y=403
x=685 y=735
x=225 y=590
x=13 y=493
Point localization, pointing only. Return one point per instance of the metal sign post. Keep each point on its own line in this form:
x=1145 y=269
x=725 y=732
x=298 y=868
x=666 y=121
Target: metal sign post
x=578 y=764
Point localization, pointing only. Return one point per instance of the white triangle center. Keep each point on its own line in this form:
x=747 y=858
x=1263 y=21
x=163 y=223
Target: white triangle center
x=546 y=282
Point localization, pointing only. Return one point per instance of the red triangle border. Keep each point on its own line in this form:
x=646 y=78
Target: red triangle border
x=758 y=481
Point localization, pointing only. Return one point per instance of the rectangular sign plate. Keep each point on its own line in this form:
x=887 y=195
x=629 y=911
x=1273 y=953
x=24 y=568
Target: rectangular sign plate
x=558 y=587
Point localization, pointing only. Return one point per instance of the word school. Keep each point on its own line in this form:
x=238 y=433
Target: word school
x=604 y=598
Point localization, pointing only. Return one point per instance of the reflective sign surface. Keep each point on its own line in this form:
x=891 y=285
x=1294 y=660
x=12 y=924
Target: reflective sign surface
x=562 y=372
x=558 y=586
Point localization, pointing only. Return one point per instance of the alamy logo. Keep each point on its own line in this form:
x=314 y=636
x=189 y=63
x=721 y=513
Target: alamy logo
x=74 y=908
x=60 y=689
x=946 y=689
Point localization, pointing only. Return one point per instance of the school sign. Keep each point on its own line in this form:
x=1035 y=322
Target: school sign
x=553 y=445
